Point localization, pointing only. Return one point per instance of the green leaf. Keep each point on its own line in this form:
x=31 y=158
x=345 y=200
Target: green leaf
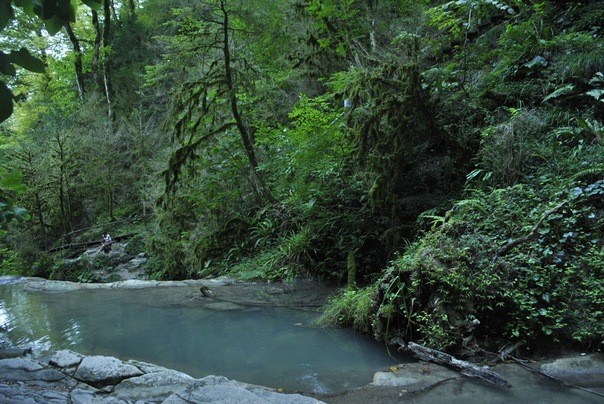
x=6 y=14
x=53 y=25
x=63 y=10
x=93 y=4
x=561 y=91
x=12 y=181
x=28 y=6
x=537 y=60
x=597 y=94
x=6 y=66
x=21 y=214
x=6 y=102
x=24 y=59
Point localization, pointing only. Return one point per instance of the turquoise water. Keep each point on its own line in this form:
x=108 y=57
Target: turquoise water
x=275 y=347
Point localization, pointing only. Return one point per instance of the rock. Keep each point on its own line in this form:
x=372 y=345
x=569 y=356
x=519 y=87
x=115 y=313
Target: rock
x=134 y=284
x=153 y=386
x=207 y=292
x=223 y=306
x=6 y=353
x=79 y=396
x=583 y=371
x=390 y=379
x=413 y=376
x=26 y=369
x=25 y=364
x=66 y=359
x=19 y=395
x=26 y=380
x=219 y=389
x=104 y=370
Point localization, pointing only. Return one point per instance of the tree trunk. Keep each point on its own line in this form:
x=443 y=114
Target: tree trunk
x=107 y=59
x=96 y=50
x=79 y=72
x=232 y=92
x=63 y=185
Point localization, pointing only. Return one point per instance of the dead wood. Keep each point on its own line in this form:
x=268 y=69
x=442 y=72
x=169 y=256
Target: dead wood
x=466 y=368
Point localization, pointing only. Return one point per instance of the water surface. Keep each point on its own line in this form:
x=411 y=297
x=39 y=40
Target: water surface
x=276 y=347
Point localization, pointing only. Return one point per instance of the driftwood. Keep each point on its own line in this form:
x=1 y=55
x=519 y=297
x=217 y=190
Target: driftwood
x=503 y=250
x=466 y=368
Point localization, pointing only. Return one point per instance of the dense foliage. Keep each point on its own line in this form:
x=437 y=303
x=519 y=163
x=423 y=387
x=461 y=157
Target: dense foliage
x=443 y=161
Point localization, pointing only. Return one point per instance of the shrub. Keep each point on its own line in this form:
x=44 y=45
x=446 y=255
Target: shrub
x=350 y=308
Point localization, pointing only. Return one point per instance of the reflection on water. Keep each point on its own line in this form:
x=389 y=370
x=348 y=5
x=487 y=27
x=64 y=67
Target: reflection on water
x=276 y=347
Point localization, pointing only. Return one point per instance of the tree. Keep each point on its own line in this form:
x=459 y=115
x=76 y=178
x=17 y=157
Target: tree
x=199 y=112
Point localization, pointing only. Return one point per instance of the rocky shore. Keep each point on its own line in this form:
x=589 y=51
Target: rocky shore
x=70 y=377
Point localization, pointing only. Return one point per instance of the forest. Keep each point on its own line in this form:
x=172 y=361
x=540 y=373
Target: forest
x=441 y=161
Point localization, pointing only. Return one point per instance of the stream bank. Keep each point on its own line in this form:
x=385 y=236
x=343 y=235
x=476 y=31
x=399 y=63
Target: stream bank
x=36 y=378
x=69 y=377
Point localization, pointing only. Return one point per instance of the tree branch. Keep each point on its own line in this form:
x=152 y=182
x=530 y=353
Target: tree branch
x=506 y=248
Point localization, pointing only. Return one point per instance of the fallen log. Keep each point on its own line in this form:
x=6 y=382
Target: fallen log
x=466 y=368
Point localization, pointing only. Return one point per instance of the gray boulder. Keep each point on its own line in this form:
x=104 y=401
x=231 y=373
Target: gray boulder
x=104 y=370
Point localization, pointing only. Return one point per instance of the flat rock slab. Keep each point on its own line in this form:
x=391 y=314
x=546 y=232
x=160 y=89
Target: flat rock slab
x=300 y=293
x=151 y=386
x=25 y=364
x=219 y=389
x=584 y=370
x=66 y=359
x=413 y=376
x=104 y=370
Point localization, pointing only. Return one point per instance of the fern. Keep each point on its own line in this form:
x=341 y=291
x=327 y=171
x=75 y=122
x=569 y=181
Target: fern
x=588 y=172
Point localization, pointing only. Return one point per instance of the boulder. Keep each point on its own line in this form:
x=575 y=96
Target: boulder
x=104 y=370
x=66 y=359
x=584 y=371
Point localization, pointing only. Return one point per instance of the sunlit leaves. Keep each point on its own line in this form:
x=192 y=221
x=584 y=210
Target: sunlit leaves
x=10 y=185
x=54 y=14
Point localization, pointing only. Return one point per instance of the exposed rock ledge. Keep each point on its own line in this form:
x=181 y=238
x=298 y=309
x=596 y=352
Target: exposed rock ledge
x=69 y=377
x=299 y=293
